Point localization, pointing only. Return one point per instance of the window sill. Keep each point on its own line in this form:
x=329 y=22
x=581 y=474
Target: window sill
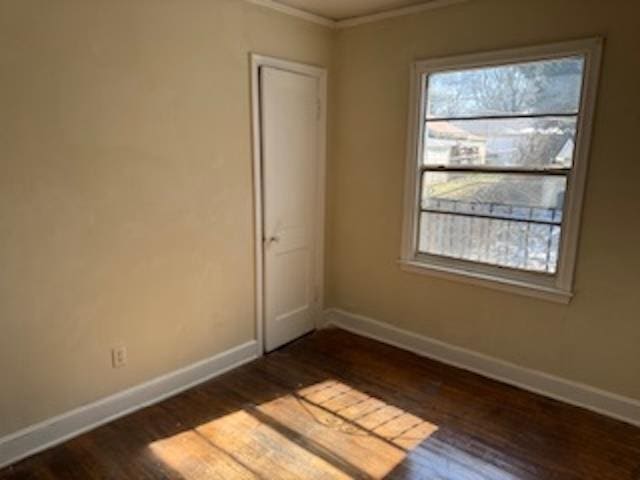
x=489 y=281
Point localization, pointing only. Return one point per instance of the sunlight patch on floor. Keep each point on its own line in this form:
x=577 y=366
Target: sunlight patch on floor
x=240 y=446
x=327 y=430
x=377 y=418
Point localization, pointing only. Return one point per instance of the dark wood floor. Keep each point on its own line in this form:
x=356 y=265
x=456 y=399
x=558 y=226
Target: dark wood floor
x=334 y=405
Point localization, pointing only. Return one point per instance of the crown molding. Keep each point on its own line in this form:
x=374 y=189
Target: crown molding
x=396 y=12
x=295 y=12
x=354 y=21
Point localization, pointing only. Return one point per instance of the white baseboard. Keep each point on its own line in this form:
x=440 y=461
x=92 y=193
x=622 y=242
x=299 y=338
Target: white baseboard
x=600 y=401
x=50 y=432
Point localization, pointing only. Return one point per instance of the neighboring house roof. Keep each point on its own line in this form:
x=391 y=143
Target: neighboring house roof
x=565 y=155
x=446 y=130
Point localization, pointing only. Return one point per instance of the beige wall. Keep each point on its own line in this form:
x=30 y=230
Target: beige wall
x=595 y=339
x=125 y=189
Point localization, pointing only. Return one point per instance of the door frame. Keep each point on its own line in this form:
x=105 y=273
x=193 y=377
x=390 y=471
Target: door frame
x=257 y=61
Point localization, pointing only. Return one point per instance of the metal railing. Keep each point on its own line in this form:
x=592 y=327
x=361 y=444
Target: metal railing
x=514 y=236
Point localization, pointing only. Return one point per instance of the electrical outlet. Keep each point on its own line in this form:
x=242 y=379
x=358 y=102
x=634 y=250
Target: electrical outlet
x=119 y=356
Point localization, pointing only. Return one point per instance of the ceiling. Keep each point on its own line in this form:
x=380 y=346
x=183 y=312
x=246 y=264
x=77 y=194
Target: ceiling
x=344 y=9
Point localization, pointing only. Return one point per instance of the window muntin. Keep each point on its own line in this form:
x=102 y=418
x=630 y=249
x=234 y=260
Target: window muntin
x=498 y=147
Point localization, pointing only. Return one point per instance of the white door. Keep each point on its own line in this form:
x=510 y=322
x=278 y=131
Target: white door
x=290 y=136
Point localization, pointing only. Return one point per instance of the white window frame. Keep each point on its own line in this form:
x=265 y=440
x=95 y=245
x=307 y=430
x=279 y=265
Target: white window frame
x=559 y=286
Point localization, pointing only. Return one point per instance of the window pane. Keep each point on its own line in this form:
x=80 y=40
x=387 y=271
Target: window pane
x=516 y=142
x=536 y=198
x=506 y=243
x=541 y=87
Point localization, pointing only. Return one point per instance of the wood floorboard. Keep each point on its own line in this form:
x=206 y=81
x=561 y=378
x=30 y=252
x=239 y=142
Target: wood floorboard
x=335 y=405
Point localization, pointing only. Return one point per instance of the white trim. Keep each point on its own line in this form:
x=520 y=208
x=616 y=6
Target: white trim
x=55 y=430
x=258 y=61
x=295 y=12
x=354 y=21
x=557 y=287
x=487 y=281
x=396 y=12
x=600 y=401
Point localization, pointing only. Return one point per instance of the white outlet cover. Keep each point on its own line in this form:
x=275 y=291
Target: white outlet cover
x=119 y=356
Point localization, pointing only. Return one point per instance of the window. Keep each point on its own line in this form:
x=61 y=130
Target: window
x=497 y=165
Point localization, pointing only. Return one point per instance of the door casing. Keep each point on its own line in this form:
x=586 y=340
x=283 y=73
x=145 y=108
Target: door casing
x=257 y=62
